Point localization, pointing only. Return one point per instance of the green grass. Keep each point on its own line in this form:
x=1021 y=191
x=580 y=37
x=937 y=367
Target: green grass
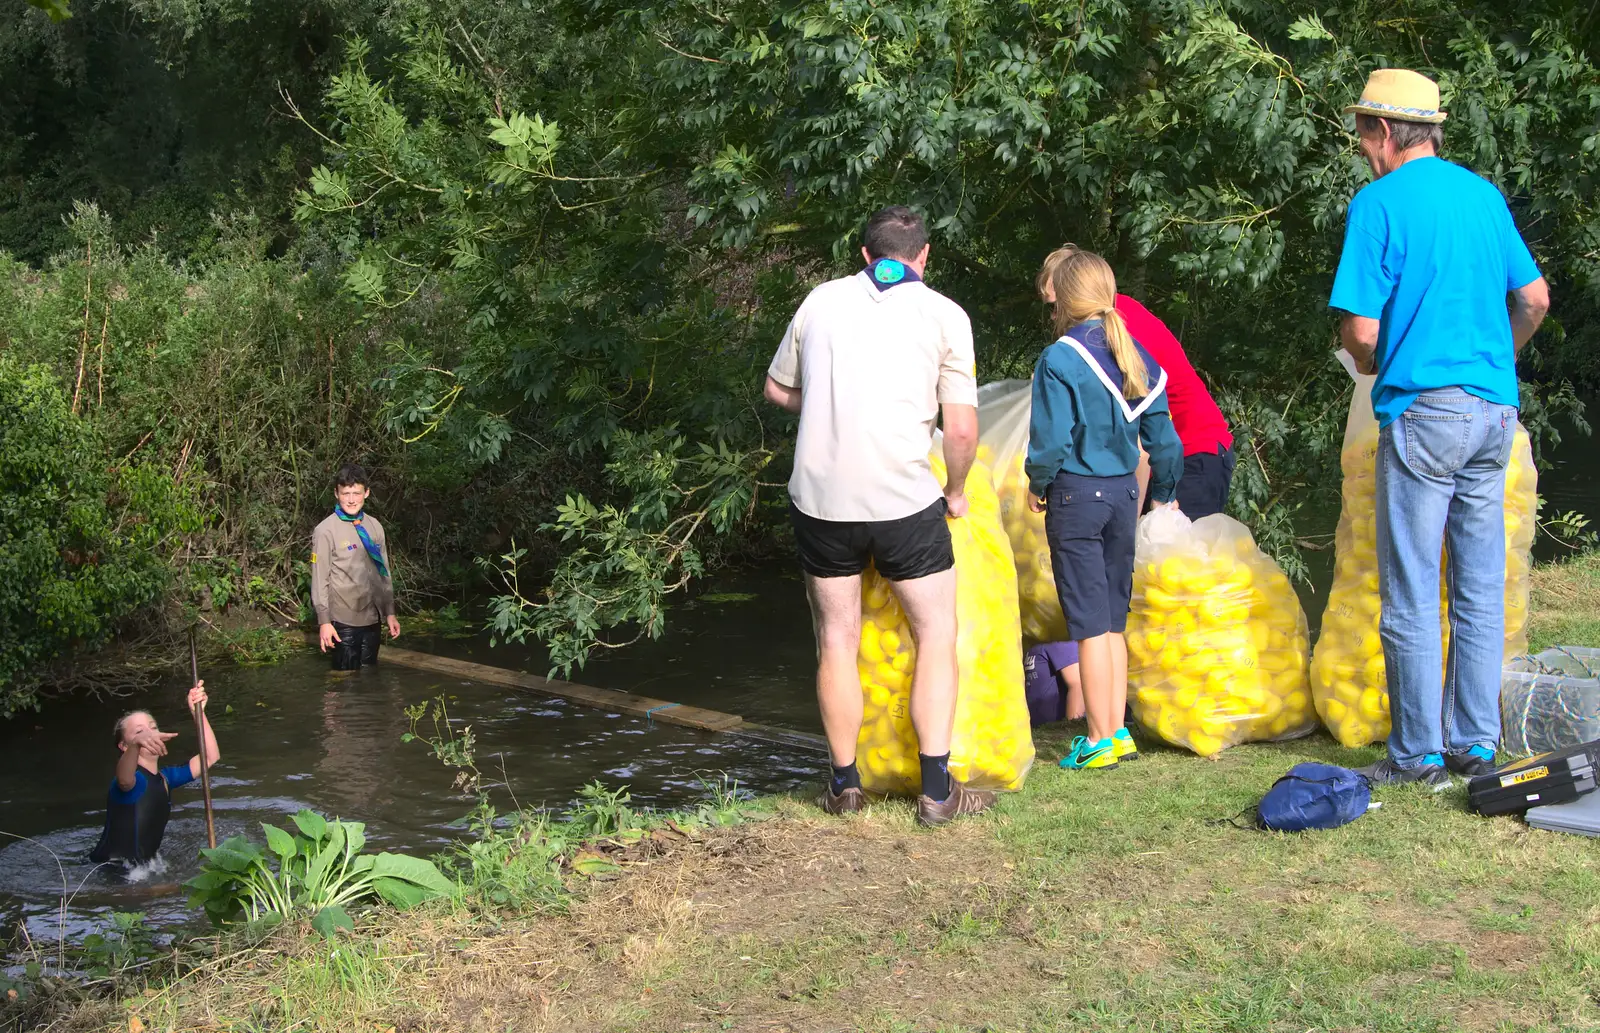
x=1117 y=900
x=1565 y=604
x=1377 y=925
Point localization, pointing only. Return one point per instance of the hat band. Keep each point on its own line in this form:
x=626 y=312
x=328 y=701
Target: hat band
x=1396 y=109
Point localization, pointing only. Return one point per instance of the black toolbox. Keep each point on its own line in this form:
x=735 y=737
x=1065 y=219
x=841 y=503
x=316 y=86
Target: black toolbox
x=1560 y=776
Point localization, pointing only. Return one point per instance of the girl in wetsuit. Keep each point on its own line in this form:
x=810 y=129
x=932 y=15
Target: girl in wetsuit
x=140 y=799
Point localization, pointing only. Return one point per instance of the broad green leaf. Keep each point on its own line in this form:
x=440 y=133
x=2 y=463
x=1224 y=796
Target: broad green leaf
x=320 y=866
x=414 y=870
x=403 y=894
x=210 y=879
x=279 y=841
x=314 y=825
x=355 y=834
x=592 y=865
x=235 y=854
x=331 y=919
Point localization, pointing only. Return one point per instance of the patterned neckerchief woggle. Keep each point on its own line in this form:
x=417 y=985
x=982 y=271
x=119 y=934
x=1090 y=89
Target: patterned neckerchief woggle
x=891 y=272
x=367 y=543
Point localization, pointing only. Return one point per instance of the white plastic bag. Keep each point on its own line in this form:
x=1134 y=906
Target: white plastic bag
x=1003 y=411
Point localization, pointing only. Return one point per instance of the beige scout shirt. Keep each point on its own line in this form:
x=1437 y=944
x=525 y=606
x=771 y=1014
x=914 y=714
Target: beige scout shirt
x=872 y=367
x=345 y=585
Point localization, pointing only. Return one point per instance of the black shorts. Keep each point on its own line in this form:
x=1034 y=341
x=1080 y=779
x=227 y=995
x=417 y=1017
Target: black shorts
x=1203 y=489
x=356 y=648
x=1089 y=523
x=902 y=550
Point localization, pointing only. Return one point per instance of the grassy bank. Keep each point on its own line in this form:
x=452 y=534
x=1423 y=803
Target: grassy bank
x=1116 y=900
x=1086 y=902
x=1564 y=608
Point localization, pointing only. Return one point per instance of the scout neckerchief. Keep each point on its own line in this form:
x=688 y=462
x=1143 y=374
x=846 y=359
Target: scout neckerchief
x=366 y=539
x=1129 y=413
x=889 y=272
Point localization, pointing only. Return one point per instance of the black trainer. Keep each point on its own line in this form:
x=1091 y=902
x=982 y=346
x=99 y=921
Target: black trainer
x=1479 y=760
x=1387 y=772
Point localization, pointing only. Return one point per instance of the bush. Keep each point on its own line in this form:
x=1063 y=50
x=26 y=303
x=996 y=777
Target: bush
x=82 y=545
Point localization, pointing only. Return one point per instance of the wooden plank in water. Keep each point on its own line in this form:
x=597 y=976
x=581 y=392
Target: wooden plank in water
x=664 y=711
x=784 y=736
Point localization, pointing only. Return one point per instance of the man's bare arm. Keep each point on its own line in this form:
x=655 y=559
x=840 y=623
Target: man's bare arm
x=960 y=424
x=786 y=398
x=1529 y=306
x=1360 y=338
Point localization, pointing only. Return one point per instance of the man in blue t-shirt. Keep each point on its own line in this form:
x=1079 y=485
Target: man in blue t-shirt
x=139 y=800
x=1430 y=253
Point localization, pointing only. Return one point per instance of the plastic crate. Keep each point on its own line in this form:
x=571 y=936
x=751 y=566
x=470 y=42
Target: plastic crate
x=1550 y=701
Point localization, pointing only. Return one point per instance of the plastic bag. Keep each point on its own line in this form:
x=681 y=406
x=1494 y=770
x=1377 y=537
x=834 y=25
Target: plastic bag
x=1217 y=643
x=1550 y=701
x=991 y=744
x=1348 y=679
x=1003 y=410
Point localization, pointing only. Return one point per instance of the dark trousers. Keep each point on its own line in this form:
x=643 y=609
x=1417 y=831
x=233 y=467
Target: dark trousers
x=1203 y=488
x=356 y=648
x=1089 y=524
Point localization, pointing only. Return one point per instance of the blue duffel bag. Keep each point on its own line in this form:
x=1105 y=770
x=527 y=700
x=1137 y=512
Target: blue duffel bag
x=1314 y=796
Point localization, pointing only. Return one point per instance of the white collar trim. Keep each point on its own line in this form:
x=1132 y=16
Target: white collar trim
x=1129 y=413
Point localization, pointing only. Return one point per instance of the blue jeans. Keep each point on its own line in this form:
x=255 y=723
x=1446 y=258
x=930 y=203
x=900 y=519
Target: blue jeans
x=1441 y=482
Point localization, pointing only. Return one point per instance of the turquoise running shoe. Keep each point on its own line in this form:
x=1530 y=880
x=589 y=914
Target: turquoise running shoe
x=1088 y=753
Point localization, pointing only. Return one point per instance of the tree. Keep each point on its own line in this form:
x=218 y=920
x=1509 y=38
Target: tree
x=81 y=546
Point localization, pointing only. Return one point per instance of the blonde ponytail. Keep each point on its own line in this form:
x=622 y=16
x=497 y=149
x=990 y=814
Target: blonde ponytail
x=1085 y=288
x=1135 y=377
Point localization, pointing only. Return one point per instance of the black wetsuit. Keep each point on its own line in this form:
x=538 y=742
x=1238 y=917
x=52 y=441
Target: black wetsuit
x=136 y=818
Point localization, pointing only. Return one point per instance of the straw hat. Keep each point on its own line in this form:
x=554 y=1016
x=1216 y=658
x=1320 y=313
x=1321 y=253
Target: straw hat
x=1401 y=94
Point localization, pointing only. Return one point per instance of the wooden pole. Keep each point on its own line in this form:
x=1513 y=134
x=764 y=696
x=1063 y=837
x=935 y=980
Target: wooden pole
x=205 y=766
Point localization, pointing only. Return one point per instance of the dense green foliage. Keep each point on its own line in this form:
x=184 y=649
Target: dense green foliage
x=81 y=545
x=530 y=258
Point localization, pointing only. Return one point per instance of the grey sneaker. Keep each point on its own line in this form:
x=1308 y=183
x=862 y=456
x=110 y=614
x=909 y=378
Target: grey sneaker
x=1387 y=772
x=847 y=802
x=962 y=800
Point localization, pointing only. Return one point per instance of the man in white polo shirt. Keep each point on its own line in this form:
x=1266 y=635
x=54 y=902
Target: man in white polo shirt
x=870 y=362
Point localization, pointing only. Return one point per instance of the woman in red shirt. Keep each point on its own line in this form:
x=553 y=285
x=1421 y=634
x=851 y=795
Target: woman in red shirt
x=1207 y=443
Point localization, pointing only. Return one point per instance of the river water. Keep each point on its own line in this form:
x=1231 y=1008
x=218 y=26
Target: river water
x=298 y=736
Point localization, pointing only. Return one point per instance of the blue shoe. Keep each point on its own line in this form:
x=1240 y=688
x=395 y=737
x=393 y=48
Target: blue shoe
x=1478 y=760
x=1087 y=753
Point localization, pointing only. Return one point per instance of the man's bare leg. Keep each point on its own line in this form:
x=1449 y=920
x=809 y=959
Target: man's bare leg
x=836 y=619
x=930 y=607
